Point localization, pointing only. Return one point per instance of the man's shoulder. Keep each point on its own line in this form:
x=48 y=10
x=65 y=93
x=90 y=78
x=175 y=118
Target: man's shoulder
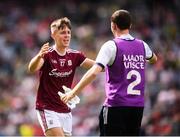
x=108 y=44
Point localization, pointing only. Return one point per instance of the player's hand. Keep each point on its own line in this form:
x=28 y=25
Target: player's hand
x=65 y=97
x=68 y=97
x=44 y=50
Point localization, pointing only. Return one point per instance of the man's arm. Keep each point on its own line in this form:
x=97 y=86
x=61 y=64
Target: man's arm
x=87 y=63
x=153 y=59
x=37 y=62
x=150 y=55
x=86 y=79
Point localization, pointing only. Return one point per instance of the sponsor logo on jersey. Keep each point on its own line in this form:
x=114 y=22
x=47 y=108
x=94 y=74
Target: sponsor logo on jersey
x=54 y=61
x=56 y=73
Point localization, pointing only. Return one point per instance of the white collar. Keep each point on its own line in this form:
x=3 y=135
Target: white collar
x=126 y=37
x=60 y=54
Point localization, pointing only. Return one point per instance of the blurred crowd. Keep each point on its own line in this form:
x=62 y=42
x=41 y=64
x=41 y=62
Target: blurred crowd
x=24 y=28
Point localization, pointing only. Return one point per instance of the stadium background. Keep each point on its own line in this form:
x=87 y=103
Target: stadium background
x=24 y=27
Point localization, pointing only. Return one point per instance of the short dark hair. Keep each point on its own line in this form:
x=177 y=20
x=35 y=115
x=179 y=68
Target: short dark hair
x=122 y=18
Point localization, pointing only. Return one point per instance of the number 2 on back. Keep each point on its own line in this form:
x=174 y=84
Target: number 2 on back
x=130 y=89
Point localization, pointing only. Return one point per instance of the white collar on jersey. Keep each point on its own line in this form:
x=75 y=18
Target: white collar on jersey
x=126 y=37
x=60 y=54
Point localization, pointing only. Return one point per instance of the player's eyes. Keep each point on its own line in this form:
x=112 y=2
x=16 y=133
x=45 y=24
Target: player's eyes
x=65 y=32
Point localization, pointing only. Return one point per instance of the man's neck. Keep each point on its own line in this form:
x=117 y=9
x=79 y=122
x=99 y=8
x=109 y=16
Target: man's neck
x=121 y=32
x=60 y=50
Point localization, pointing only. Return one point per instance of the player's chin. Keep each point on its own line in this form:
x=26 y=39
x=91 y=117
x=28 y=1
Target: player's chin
x=66 y=44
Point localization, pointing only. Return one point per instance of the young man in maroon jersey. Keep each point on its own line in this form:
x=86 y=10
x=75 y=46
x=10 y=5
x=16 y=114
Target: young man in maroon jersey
x=56 y=66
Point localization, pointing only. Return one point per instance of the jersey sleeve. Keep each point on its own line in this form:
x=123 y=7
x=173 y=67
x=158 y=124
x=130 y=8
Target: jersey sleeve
x=148 y=51
x=106 y=54
x=81 y=58
x=45 y=57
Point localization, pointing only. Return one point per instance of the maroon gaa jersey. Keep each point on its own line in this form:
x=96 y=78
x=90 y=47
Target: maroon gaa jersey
x=57 y=71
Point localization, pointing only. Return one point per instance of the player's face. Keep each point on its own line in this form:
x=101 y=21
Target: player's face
x=63 y=37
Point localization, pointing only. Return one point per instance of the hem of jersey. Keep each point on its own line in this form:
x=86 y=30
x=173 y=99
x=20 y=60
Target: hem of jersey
x=39 y=108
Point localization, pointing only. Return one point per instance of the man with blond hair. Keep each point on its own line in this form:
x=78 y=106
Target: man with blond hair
x=56 y=65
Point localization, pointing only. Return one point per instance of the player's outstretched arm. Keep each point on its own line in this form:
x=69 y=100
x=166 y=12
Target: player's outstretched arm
x=86 y=79
x=87 y=63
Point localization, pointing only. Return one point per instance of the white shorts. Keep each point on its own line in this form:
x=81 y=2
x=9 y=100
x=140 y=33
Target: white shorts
x=50 y=119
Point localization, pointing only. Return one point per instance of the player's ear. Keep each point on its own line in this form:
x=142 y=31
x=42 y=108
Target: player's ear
x=53 y=31
x=112 y=26
x=115 y=27
x=51 y=35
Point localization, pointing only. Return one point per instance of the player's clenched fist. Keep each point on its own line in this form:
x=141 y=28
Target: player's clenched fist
x=44 y=50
